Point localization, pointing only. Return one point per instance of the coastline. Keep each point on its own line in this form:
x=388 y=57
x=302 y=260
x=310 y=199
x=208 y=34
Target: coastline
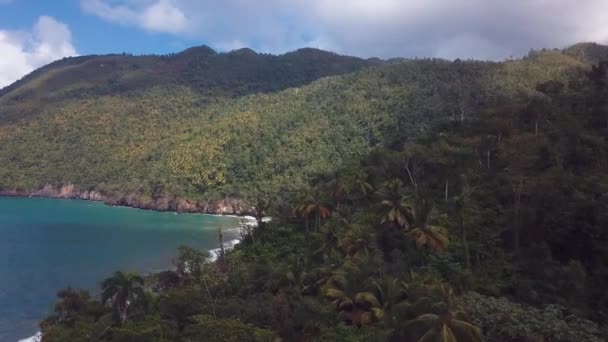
x=226 y=206
x=232 y=233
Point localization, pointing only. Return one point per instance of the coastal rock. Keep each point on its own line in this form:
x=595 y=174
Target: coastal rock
x=91 y=195
x=163 y=202
x=187 y=206
x=66 y=191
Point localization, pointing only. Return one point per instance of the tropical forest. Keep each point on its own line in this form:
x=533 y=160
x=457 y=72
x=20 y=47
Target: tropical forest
x=409 y=199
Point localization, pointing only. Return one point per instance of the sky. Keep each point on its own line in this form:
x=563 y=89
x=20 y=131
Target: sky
x=36 y=32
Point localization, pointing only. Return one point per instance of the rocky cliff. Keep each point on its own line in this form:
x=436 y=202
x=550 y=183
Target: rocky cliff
x=226 y=206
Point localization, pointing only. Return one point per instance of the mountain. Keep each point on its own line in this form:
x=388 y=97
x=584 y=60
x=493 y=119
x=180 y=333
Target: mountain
x=418 y=200
x=213 y=75
x=588 y=52
x=173 y=132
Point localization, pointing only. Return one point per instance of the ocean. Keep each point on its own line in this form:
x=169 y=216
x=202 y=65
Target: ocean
x=49 y=244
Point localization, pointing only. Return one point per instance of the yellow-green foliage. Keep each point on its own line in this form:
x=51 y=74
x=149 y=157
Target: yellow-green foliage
x=209 y=328
x=179 y=141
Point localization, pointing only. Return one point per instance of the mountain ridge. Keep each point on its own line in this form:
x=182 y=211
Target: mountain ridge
x=214 y=137
x=192 y=52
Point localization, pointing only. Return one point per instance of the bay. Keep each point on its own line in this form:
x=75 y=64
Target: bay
x=49 y=244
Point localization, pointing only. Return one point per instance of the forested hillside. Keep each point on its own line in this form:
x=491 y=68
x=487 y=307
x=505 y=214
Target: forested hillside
x=146 y=131
x=421 y=201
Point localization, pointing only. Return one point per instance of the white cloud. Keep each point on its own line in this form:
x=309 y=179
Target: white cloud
x=164 y=17
x=156 y=16
x=24 y=51
x=385 y=28
x=230 y=45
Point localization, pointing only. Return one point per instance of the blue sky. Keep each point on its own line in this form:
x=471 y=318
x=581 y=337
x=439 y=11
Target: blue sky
x=90 y=34
x=36 y=32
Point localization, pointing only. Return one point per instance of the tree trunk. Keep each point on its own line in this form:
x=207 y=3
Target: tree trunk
x=123 y=314
x=446 y=189
x=516 y=210
x=488 y=159
x=222 y=253
x=461 y=113
x=465 y=242
x=213 y=299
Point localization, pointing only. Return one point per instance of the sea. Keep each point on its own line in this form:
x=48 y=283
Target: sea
x=50 y=244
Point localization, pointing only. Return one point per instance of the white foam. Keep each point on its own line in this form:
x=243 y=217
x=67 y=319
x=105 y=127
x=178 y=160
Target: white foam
x=248 y=221
x=35 y=338
x=215 y=253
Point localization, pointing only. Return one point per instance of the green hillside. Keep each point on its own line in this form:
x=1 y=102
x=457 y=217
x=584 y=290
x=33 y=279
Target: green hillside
x=212 y=75
x=201 y=125
x=419 y=201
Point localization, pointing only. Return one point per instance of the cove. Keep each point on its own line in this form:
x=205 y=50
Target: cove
x=49 y=244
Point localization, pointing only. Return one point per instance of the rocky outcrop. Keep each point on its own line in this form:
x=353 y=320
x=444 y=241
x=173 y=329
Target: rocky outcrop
x=164 y=202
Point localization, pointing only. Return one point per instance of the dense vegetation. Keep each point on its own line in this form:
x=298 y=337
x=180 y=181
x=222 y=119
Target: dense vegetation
x=481 y=217
x=157 y=133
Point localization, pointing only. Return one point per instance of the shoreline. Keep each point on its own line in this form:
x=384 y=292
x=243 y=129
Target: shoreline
x=234 y=238
x=224 y=207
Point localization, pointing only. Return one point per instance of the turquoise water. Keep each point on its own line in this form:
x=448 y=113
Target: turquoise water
x=48 y=244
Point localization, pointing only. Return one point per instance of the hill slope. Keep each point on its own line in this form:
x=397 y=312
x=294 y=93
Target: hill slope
x=490 y=225
x=154 y=131
x=213 y=75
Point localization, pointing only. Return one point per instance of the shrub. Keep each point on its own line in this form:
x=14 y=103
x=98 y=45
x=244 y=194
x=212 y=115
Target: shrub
x=502 y=319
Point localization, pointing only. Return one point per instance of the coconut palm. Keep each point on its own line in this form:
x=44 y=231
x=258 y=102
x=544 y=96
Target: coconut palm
x=361 y=184
x=428 y=316
x=392 y=293
x=339 y=188
x=121 y=290
x=424 y=234
x=355 y=241
x=358 y=308
x=441 y=328
x=395 y=207
x=431 y=237
x=330 y=236
x=355 y=185
x=313 y=205
x=309 y=282
x=346 y=289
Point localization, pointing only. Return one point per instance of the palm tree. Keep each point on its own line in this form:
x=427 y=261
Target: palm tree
x=442 y=328
x=355 y=241
x=330 y=237
x=395 y=209
x=431 y=237
x=392 y=293
x=361 y=184
x=358 y=308
x=121 y=290
x=424 y=234
x=339 y=188
x=309 y=282
x=346 y=289
x=351 y=184
x=314 y=204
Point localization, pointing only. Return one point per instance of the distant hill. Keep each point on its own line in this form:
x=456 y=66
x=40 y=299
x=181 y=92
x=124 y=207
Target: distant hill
x=588 y=52
x=213 y=75
x=196 y=125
